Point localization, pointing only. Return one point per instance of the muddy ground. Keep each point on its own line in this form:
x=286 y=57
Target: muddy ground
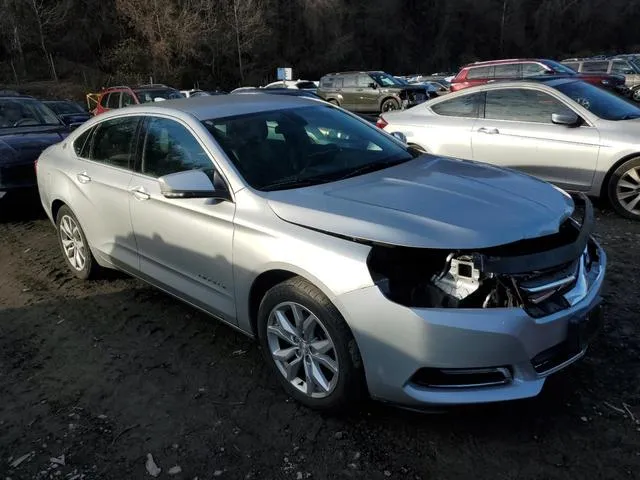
x=108 y=371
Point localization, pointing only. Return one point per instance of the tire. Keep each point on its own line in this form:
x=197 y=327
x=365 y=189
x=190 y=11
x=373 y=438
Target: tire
x=337 y=392
x=389 y=105
x=635 y=95
x=333 y=101
x=623 y=189
x=69 y=230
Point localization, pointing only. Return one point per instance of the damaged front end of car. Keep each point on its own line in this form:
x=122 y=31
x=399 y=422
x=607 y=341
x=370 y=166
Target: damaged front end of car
x=543 y=275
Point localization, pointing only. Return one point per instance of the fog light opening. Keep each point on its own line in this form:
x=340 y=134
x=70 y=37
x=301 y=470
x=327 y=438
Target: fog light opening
x=462 y=377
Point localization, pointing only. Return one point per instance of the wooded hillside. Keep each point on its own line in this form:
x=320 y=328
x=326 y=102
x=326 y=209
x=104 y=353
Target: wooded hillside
x=241 y=42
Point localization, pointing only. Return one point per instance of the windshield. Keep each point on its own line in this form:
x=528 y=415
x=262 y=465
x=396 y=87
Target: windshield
x=303 y=146
x=148 y=95
x=62 y=108
x=385 y=80
x=22 y=112
x=306 y=85
x=600 y=102
x=559 y=67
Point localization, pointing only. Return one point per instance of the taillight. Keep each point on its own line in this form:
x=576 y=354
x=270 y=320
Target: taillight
x=381 y=122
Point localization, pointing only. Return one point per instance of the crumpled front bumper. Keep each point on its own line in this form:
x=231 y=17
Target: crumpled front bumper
x=397 y=343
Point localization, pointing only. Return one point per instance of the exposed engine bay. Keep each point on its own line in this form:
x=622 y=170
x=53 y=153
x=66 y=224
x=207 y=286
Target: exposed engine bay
x=535 y=274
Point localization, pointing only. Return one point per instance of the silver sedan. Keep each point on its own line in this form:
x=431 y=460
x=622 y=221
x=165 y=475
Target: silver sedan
x=573 y=134
x=362 y=266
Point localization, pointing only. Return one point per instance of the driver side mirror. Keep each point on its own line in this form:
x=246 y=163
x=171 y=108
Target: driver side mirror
x=373 y=85
x=567 y=119
x=193 y=184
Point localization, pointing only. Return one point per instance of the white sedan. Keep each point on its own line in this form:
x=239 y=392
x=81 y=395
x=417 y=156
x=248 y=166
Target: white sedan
x=568 y=132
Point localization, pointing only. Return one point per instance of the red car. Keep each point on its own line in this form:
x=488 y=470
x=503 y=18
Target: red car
x=122 y=96
x=480 y=73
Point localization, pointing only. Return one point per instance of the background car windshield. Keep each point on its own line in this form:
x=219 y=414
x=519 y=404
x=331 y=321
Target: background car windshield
x=25 y=112
x=560 y=68
x=385 y=80
x=600 y=102
x=309 y=85
x=302 y=146
x=146 y=96
x=63 y=108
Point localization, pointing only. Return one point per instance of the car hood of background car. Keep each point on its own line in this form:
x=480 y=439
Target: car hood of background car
x=19 y=147
x=429 y=202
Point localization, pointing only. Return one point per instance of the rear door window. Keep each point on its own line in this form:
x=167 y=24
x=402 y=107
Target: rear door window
x=114 y=142
x=480 y=73
x=507 y=71
x=595 y=67
x=349 y=81
x=466 y=106
x=104 y=99
x=114 y=100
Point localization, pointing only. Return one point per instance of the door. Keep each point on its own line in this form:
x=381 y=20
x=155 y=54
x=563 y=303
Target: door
x=350 y=94
x=102 y=175
x=449 y=131
x=185 y=245
x=367 y=96
x=517 y=132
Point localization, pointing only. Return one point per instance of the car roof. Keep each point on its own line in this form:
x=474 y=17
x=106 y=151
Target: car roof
x=354 y=72
x=219 y=106
x=506 y=60
x=18 y=96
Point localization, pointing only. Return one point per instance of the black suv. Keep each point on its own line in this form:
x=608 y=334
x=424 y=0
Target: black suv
x=370 y=92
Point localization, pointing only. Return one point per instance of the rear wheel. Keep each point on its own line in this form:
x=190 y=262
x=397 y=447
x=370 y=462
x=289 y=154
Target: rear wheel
x=309 y=347
x=74 y=245
x=333 y=101
x=635 y=95
x=624 y=189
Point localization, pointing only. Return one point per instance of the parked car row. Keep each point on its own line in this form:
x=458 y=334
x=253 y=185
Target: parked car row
x=627 y=66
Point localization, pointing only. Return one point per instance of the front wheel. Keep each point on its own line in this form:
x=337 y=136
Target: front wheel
x=74 y=245
x=389 y=105
x=624 y=189
x=635 y=95
x=309 y=347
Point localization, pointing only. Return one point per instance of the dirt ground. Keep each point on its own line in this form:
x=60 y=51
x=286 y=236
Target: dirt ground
x=108 y=371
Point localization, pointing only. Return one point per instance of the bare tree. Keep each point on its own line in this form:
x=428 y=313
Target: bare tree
x=246 y=18
x=45 y=15
x=171 y=29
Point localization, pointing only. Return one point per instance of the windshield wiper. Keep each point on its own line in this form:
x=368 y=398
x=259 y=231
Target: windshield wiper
x=372 y=167
x=295 y=182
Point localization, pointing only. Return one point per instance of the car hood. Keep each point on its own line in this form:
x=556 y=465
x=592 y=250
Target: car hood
x=20 y=147
x=430 y=202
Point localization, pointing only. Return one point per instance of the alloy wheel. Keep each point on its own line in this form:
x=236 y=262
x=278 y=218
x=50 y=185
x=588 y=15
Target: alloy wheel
x=72 y=242
x=628 y=190
x=636 y=95
x=302 y=349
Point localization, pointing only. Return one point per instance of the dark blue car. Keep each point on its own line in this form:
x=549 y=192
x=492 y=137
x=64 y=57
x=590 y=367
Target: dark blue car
x=71 y=113
x=27 y=127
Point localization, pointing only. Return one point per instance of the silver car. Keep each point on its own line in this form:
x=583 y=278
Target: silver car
x=361 y=265
x=568 y=132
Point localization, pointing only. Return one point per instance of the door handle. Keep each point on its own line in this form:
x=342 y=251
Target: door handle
x=489 y=131
x=140 y=193
x=83 y=177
